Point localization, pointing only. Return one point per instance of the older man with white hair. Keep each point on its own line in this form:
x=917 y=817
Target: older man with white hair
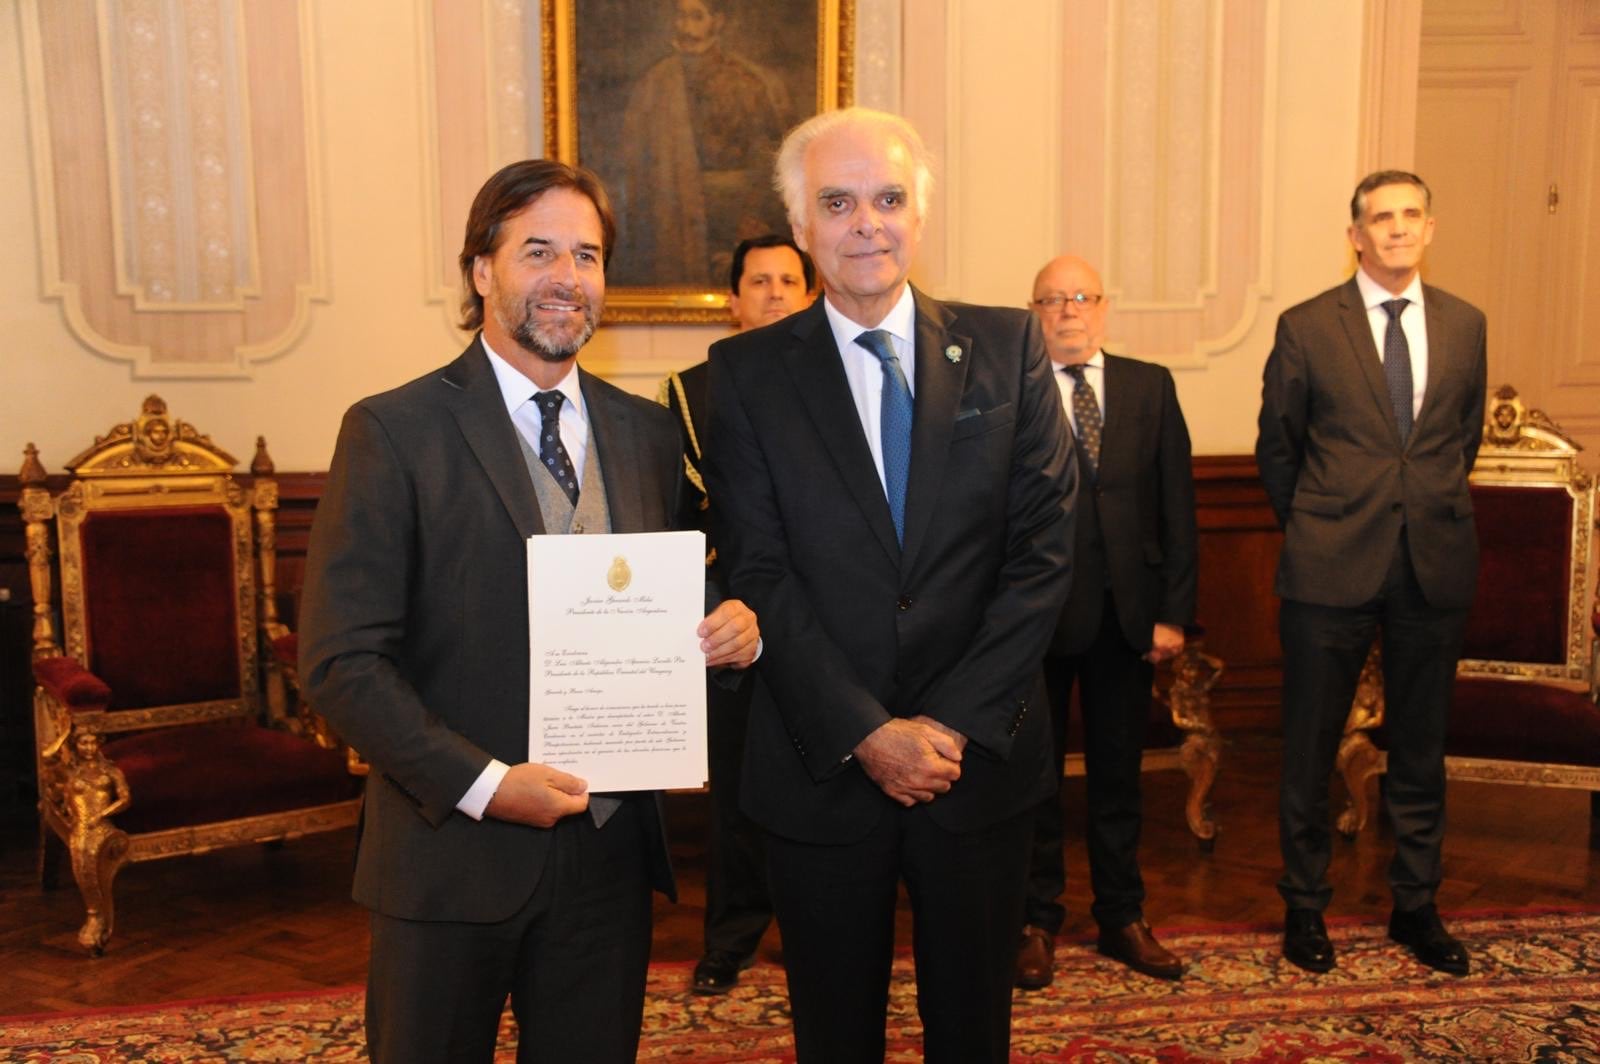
x=895 y=482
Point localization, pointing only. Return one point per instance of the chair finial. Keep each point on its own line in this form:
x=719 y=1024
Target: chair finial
x=32 y=474
x=261 y=465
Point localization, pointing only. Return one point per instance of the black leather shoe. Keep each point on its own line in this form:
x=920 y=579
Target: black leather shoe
x=1305 y=940
x=718 y=970
x=1423 y=933
x=1135 y=946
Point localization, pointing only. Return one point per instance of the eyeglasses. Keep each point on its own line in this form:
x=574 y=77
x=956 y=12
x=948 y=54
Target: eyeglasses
x=1084 y=300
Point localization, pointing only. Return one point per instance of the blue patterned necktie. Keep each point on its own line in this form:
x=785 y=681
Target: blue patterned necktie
x=551 y=452
x=1086 y=416
x=1397 y=367
x=894 y=423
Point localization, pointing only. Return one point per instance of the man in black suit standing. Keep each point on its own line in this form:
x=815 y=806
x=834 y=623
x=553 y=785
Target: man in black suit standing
x=1133 y=590
x=488 y=874
x=1371 y=415
x=770 y=279
x=893 y=480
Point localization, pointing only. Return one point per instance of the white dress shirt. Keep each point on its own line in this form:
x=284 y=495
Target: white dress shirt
x=518 y=392
x=1413 y=322
x=865 y=373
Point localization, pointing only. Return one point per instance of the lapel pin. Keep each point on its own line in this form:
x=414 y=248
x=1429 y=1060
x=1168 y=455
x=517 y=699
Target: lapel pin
x=953 y=353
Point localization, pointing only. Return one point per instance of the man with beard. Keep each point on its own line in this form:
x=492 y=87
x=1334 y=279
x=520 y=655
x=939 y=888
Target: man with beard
x=488 y=875
x=771 y=278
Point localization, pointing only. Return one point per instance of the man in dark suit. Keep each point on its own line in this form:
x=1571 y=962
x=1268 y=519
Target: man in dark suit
x=893 y=481
x=770 y=279
x=1134 y=568
x=488 y=874
x=1371 y=414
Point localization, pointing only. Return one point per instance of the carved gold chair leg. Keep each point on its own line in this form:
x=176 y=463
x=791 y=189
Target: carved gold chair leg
x=95 y=867
x=1358 y=762
x=1200 y=755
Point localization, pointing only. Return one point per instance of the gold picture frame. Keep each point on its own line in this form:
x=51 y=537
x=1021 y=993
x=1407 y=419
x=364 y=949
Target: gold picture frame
x=625 y=81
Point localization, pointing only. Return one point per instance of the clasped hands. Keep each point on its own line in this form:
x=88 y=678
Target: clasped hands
x=539 y=795
x=912 y=759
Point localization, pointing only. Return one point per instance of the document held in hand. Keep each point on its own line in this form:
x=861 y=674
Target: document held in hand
x=617 y=683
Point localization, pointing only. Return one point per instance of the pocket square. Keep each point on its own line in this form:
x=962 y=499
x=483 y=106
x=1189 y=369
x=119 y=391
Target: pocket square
x=963 y=415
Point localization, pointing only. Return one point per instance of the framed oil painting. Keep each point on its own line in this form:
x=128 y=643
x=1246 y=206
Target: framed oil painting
x=679 y=105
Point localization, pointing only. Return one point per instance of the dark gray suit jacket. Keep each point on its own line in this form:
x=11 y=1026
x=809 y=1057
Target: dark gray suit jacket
x=1144 y=501
x=1330 y=456
x=414 y=629
x=858 y=629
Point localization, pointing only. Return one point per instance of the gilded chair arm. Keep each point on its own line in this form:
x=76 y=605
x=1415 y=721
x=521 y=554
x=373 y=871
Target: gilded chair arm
x=71 y=685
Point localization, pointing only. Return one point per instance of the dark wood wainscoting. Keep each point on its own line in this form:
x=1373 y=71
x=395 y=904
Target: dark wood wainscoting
x=1238 y=553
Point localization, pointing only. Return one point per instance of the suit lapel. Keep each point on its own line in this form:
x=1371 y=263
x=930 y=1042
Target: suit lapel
x=1116 y=422
x=474 y=399
x=1353 y=315
x=940 y=382
x=818 y=375
x=612 y=430
x=1441 y=346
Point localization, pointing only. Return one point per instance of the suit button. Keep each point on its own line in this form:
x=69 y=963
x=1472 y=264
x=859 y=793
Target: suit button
x=1394 y=507
x=903 y=603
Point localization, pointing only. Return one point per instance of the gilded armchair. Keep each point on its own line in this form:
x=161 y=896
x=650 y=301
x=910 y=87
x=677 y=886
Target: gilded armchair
x=1525 y=705
x=160 y=728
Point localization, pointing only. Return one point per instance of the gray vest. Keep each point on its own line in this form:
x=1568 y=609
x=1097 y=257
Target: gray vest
x=591 y=515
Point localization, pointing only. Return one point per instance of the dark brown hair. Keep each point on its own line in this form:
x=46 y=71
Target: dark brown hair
x=510 y=190
x=770 y=240
x=1358 y=202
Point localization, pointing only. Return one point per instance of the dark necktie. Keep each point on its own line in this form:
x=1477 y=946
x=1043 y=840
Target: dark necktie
x=894 y=423
x=551 y=452
x=1086 y=413
x=1397 y=367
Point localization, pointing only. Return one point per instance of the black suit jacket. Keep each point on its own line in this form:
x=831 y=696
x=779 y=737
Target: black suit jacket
x=1137 y=534
x=858 y=629
x=414 y=632
x=1332 y=463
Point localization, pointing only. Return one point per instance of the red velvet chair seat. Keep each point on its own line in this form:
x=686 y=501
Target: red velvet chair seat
x=1514 y=721
x=199 y=775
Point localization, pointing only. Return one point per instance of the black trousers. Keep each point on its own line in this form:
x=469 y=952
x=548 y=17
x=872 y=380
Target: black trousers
x=1323 y=650
x=573 y=960
x=836 y=909
x=738 y=908
x=1113 y=682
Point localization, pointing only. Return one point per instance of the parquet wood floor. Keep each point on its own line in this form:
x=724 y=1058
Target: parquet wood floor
x=264 y=920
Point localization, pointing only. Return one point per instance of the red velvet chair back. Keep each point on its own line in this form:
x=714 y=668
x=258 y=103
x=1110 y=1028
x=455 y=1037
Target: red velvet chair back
x=160 y=605
x=1523 y=610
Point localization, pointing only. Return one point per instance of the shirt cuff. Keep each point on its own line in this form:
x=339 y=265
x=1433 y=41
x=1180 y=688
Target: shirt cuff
x=477 y=798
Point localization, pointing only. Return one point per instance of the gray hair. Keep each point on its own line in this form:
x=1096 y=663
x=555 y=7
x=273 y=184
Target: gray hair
x=789 y=175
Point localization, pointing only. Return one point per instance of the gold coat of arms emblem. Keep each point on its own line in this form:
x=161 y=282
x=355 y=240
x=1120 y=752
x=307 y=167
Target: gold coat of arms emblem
x=619 y=576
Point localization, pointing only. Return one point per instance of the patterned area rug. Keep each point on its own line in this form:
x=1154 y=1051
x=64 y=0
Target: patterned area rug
x=1534 y=995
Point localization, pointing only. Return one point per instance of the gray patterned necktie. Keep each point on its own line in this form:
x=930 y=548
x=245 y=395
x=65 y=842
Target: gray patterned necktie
x=1397 y=367
x=1086 y=413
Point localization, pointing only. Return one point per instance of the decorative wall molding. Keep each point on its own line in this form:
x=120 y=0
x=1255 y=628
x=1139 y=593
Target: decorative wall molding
x=1391 y=47
x=1170 y=168
x=152 y=123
